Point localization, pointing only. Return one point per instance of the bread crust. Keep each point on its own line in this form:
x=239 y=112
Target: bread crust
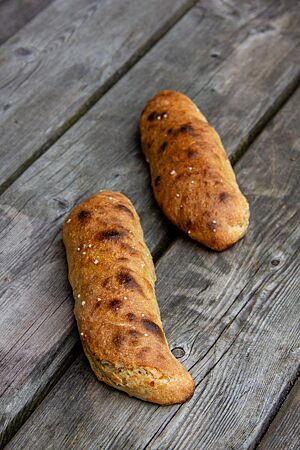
x=191 y=175
x=112 y=276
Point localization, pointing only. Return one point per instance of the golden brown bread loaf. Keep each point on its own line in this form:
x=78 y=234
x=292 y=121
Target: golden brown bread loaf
x=112 y=276
x=192 y=178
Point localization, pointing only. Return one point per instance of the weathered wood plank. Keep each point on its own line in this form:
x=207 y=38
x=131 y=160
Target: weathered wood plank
x=14 y=14
x=284 y=432
x=57 y=66
x=36 y=314
x=228 y=313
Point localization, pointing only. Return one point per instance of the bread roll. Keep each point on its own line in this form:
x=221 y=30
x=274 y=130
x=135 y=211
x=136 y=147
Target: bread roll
x=112 y=276
x=192 y=178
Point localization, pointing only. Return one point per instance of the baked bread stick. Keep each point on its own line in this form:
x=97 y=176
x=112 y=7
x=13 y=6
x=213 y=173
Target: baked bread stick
x=192 y=178
x=112 y=276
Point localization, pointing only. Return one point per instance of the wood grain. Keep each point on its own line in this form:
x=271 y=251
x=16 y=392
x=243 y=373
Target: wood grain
x=228 y=313
x=102 y=152
x=55 y=68
x=284 y=431
x=14 y=14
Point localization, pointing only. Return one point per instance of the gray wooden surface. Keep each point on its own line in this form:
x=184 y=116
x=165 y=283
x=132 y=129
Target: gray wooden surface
x=89 y=157
x=14 y=14
x=63 y=61
x=284 y=432
x=239 y=62
x=227 y=312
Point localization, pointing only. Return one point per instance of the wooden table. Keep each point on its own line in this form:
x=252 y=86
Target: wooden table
x=73 y=82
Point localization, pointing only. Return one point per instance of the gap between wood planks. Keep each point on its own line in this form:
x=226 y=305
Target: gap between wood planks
x=96 y=96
